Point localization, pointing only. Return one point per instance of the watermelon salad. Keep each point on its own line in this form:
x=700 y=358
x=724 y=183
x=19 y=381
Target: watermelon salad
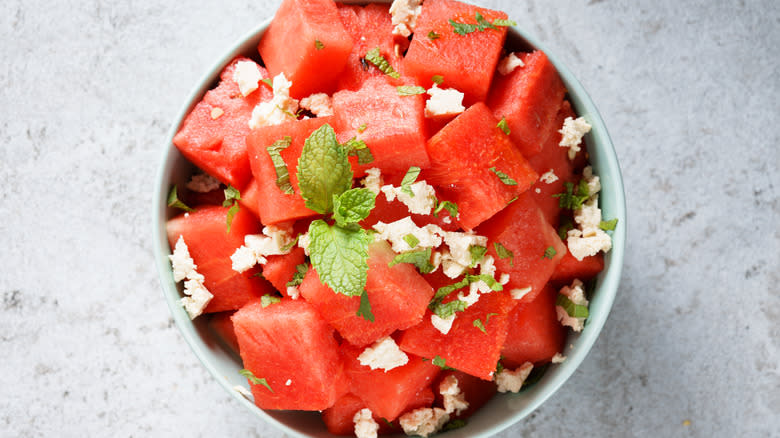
x=392 y=217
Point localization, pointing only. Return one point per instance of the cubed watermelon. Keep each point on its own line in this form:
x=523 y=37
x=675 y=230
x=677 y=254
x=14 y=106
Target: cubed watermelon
x=339 y=418
x=476 y=391
x=529 y=98
x=290 y=346
x=279 y=269
x=250 y=197
x=213 y=134
x=535 y=334
x=462 y=155
x=221 y=324
x=570 y=268
x=308 y=43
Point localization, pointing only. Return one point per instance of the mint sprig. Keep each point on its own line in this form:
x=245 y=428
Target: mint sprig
x=353 y=206
x=323 y=170
x=340 y=256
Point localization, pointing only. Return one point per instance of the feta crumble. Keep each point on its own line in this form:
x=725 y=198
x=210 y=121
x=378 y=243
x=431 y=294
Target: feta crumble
x=274 y=241
x=428 y=236
x=293 y=292
x=247 y=75
x=288 y=382
x=280 y=108
x=588 y=238
x=443 y=325
x=512 y=381
x=458 y=258
x=216 y=113
x=573 y=130
x=503 y=279
x=404 y=15
x=365 y=426
x=509 y=63
x=383 y=354
x=558 y=358
x=424 y=421
x=444 y=102
x=454 y=398
x=243 y=259
x=548 y=177
x=422 y=201
x=304 y=242
x=203 y=183
x=196 y=299
x=182 y=263
x=319 y=104
x=520 y=292
x=373 y=180
x=576 y=294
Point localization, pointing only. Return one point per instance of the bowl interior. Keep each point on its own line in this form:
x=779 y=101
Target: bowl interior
x=504 y=409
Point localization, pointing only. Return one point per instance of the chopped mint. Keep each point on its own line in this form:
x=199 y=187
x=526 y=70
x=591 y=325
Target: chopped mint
x=446 y=310
x=323 y=170
x=268 y=82
x=608 y=225
x=454 y=424
x=440 y=362
x=232 y=196
x=255 y=380
x=411 y=240
x=409 y=178
x=282 y=175
x=421 y=259
x=365 y=308
x=573 y=199
x=352 y=206
x=289 y=246
x=300 y=272
x=499 y=366
x=451 y=207
x=563 y=229
x=512 y=200
x=362 y=127
x=175 y=202
x=506 y=179
x=477 y=253
x=318 y=45
x=503 y=126
x=433 y=35
x=549 y=253
x=574 y=310
x=437 y=79
x=409 y=90
x=375 y=57
x=504 y=23
x=503 y=253
x=340 y=256
x=268 y=299
x=358 y=148
x=478 y=324
x=481 y=26
x=490 y=281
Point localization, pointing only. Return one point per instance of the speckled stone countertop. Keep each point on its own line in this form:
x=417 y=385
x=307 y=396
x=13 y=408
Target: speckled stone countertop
x=688 y=90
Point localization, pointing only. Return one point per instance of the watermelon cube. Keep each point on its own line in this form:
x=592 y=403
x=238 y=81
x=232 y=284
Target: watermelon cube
x=535 y=334
x=279 y=269
x=476 y=391
x=529 y=98
x=221 y=324
x=290 y=346
x=467 y=62
x=308 y=43
x=398 y=297
x=250 y=197
x=570 y=268
x=466 y=158
x=210 y=245
x=213 y=134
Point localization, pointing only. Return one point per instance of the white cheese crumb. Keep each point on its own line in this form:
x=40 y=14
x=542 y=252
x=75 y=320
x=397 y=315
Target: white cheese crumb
x=365 y=426
x=454 y=398
x=293 y=292
x=558 y=358
x=373 y=180
x=216 y=113
x=182 y=263
x=424 y=421
x=428 y=236
x=520 y=293
x=593 y=181
x=279 y=109
x=444 y=102
x=548 y=177
x=576 y=295
x=588 y=238
x=422 y=202
x=444 y=325
x=486 y=267
x=288 y=382
x=247 y=394
x=458 y=258
x=450 y=267
x=274 y=241
x=503 y=279
x=404 y=15
x=446 y=220
x=383 y=354
x=509 y=63
x=472 y=297
x=304 y=242
x=198 y=297
x=538 y=190
x=243 y=259
x=319 y=104
x=573 y=130
x=203 y=183
x=512 y=381
x=247 y=75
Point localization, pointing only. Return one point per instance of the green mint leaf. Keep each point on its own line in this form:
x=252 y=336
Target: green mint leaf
x=503 y=126
x=357 y=148
x=318 y=45
x=268 y=82
x=440 y=362
x=268 y=299
x=365 y=308
x=420 y=259
x=256 y=381
x=433 y=35
x=362 y=127
x=451 y=207
x=608 y=225
x=478 y=324
x=446 y=310
x=340 y=256
x=409 y=178
x=490 y=281
x=289 y=246
x=574 y=310
x=512 y=200
x=300 y=272
x=232 y=211
x=504 y=253
x=231 y=195
x=549 y=253
x=503 y=177
x=411 y=240
x=258 y=274
x=499 y=366
x=409 y=90
x=175 y=202
x=482 y=23
x=503 y=23
x=446 y=290
x=454 y=424
x=323 y=170
x=375 y=57
x=353 y=206
x=477 y=253
x=563 y=229
x=282 y=175
x=571 y=199
x=437 y=79
x=462 y=28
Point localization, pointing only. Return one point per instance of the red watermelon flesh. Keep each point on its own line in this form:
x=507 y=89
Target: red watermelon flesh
x=279 y=269
x=398 y=297
x=217 y=144
x=467 y=62
x=387 y=393
x=535 y=334
x=462 y=154
x=275 y=205
x=529 y=98
x=308 y=43
x=250 y=197
x=339 y=418
x=289 y=342
x=392 y=125
x=570 y=268
x=476 y=391
x=522 y=229
x=210 y=245
x=222 y=325
x=465 y=347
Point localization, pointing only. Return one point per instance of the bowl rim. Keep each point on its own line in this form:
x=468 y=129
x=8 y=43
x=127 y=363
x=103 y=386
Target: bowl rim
x=606 y=166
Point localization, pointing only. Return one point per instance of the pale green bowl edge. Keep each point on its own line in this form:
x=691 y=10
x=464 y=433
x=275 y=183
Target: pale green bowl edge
x=503 y=410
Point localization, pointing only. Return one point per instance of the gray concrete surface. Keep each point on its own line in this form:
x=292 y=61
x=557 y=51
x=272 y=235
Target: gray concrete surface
x=688 y=90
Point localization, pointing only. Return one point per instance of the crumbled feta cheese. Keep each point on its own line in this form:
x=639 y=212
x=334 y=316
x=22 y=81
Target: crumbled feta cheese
x=247 y=75
x=444 y=325
x=512 y=381
x=573 y=130
x=472 y=297
x=588 y=238
x=383 y=354
x=216 y=113
x=373 y=180
x=319 y=104
x=576 y=294
x=444 y=102
x=365 y=426
x=428 y=236
x=450 y=267
x=446 y=220
x=454 y=398
x=520 y=293
x=593 y=181
x=404 y=15
x=503 y=279
x=203 y=183
x=293 y=292
x=422 y=202
x=244 y=392
x=538 y=190
x=288 y=382
x=487 y=267
x=304 y=242
x=424 y=421
x=198 y=297
x=558 y=358
x=243 y=259
x=182 y=263
x=275 y=241
x=509 y=63
x=458 y=258
x=549 y=177
x=280 y=108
